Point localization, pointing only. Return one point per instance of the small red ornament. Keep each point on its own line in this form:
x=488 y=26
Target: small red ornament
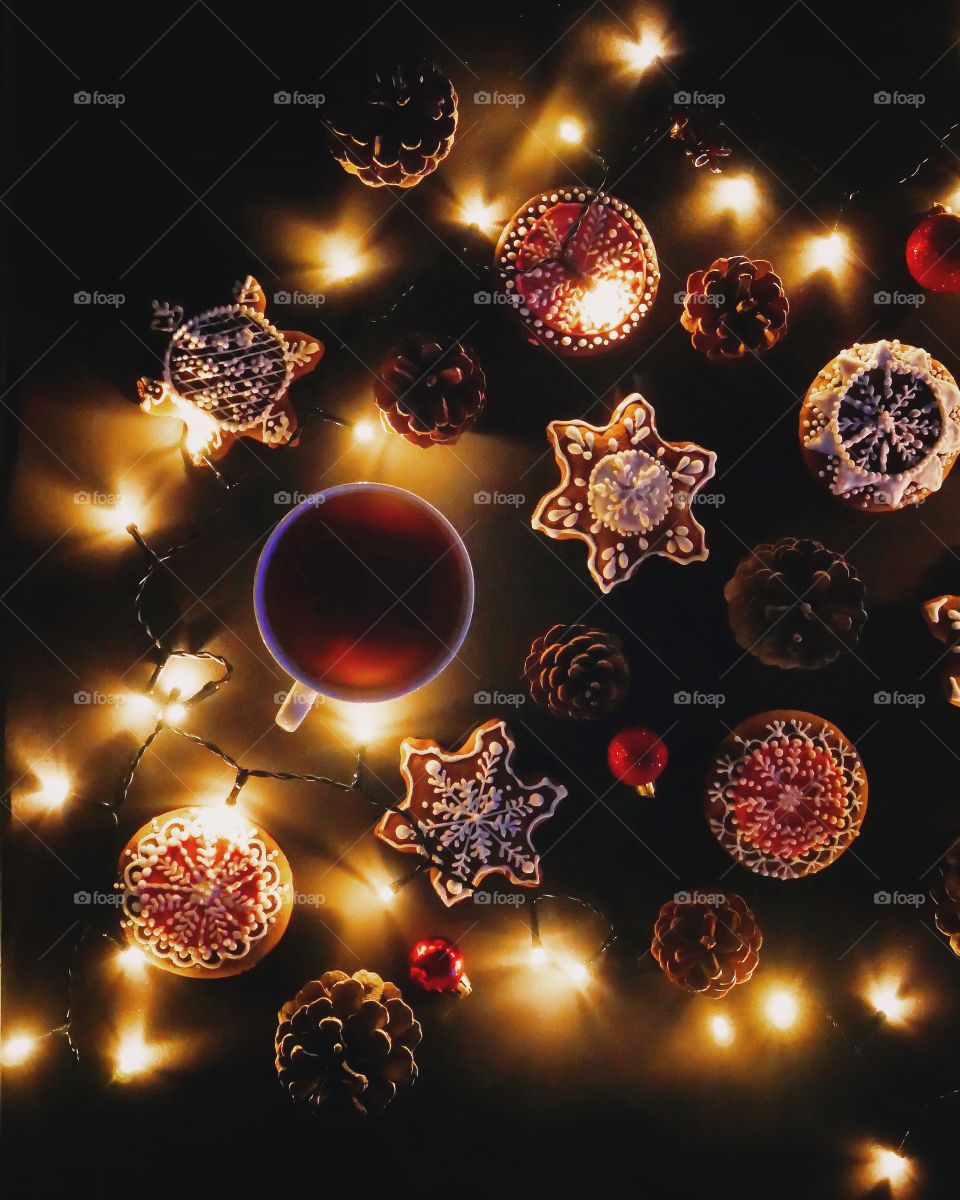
x=933 y=250
x=436 y=965
x=637 y=756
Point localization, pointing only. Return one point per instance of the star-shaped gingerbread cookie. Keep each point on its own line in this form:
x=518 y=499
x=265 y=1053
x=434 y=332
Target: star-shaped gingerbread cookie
x=626 y=492
x=473 y=809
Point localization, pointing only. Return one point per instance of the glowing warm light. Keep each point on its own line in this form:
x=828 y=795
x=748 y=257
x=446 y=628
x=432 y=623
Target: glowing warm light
x=141 y=705
x=885 y=997
x=605 y=304
x=134 y=1056
x=387 y=894
x=721 y=1029
x=577 y=972
x=185 y=676
x=477 y=212
x=826 y=253
x=16 y=1050
x=363 y=723
x=340 y=260
x=202 y=430
x=221 y=821
x=363 y=431
x=644 y=52
x=735 y=195
x=114 y=518
x=538 y=956
x=571 y=131
x=132 y=961
x=889 y=1166
x=54 y=786
x=174 y=713
x=782 y=1009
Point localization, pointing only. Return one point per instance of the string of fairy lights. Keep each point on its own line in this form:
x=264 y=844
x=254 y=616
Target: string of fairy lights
x=167 y=699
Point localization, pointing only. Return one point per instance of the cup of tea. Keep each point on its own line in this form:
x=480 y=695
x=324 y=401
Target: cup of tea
x=363 y=592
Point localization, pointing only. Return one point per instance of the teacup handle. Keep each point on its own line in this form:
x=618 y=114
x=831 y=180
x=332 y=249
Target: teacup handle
x=298 y=702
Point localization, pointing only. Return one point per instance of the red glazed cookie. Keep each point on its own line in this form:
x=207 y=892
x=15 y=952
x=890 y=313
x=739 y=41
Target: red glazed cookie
x=474 y=808
x=626 y=492
x=580 y=269
x=786 y=794
x=204 y=892
x=880 y=426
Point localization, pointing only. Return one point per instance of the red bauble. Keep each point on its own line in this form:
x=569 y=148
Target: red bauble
x=933 y=250
x=436 y=965
x=637 y=756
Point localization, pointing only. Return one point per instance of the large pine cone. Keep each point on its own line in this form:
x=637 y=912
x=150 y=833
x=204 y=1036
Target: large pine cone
x=946 y=897
x=429 y=391
x=392 y=123
x=734 y=307
x=795 y=604
x=576 y=671
x=707 y=944
x=347 y=1042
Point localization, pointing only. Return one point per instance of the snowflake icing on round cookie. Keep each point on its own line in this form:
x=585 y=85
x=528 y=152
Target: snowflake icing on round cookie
x=626 y=492
x=880 y=425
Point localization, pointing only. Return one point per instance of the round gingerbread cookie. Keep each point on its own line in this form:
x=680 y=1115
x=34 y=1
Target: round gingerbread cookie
x=880 y=425
x=579 y=268
x=786 y=794
x=204 y=893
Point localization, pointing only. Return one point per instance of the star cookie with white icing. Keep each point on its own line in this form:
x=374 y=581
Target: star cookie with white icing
x=626 y=492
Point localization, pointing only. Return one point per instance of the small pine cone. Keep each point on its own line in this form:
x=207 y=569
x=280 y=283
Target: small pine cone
x=576 y=671
x=795 y=604
x=946 y=897
x=737 y=306
x=429 y=391
x=392 y=123
x=707 y=944
x=347 y=1042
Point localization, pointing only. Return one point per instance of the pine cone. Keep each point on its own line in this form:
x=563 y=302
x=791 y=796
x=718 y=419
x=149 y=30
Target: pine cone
x=707 y=944
x=429 y=391
x=795 y=604
x=734 y=307
x=392 y=123
x=946 y=897
x=576 y=671
x=346 y=1041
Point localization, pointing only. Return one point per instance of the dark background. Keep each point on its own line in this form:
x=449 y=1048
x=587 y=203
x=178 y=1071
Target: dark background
x=199 y=178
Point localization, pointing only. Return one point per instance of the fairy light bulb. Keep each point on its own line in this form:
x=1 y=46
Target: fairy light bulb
x=644 y=52
x=571 y=131
x=132 y=961
x=54 y=786
x=16 y=1050
x=134 y=1056
x=476 y=212
x=538 y=956
x=890 y=1166
x=886 y=999
x=737 y=195
x=363 y=432
x=605 y=304
x=577 y=972
x=721 y=1030
x=782 y=1009
x=387 y=893
x=826 y=253
x=174 y=712
x=341 y=261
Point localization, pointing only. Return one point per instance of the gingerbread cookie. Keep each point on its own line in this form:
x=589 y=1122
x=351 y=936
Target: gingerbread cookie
x=204 y=892
x=472 y=807
x=226 y=374
x=580 y=269
x=626 y=492
x=880 y=426
x=942 y=615
x=786 y=794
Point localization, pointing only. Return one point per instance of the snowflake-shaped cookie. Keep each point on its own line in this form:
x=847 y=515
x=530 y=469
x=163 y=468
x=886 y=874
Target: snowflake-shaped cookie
x=625 y=492
x=473 y=808
x=880 y=425
x=787 y=794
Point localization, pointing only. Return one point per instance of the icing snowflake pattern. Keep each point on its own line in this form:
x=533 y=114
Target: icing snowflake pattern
x=474 y=809
x=789 y=799
x=626 y=492
x=883 y=421
x=198 y=895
